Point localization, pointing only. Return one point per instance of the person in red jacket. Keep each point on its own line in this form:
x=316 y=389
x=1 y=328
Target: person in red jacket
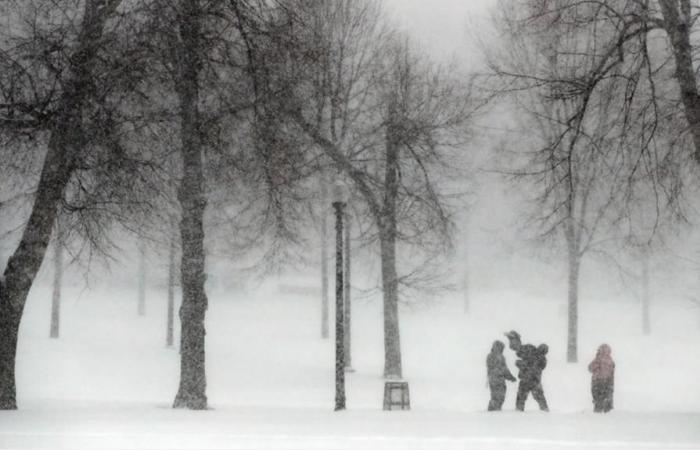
x=602 y=370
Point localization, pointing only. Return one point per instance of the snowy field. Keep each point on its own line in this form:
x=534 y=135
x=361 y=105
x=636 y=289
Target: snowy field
x=108 y=382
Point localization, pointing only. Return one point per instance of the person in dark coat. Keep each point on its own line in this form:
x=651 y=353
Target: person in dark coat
x=532 y=361
x=602 y=370
x=498 y=373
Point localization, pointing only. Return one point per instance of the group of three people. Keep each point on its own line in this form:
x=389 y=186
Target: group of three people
x=531 y=362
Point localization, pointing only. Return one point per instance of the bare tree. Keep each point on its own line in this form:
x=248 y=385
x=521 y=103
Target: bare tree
x=68 y=138
x=384 y=120
x=221 y=99
x=591 y=182
x=192 y=391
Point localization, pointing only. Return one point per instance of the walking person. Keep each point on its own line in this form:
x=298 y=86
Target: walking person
x=532 y=362
x=602 y=370
x=497 y=372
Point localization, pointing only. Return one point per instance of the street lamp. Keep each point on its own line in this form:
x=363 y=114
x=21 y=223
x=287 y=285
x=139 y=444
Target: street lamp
x=339 y=195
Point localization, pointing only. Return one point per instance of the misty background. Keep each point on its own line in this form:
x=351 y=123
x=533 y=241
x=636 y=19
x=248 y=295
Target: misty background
x=107 y=338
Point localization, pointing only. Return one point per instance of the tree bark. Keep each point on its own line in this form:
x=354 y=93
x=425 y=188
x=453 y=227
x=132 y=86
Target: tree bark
x=192 y=391
x=24 y=264
x=339 y=321
x=65 y=141
x=387 y=238
x=676 y=23
x=57 y=279
x=572 y=329
x=169 y=331
x=390 y=286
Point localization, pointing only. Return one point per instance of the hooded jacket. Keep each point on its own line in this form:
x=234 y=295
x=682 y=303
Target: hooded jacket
x=532 y=362
x=496 y=367
x=602 y=367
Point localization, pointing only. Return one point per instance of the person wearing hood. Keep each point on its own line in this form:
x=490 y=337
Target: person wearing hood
x=497 y=372
x=602 y=370
x=532 y=361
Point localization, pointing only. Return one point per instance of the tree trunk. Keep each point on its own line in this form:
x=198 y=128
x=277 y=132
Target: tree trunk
x=676 y=22
x=390 y=287
x=57 y=278
x=24 y=264
x=572 y=329
x=347 y=316
x=324 y=260
x=339 y=321
x=387 y=238
x=169 y=332
x=646 y=296
x=192 y=391
x=142 y=281
x=66 y=139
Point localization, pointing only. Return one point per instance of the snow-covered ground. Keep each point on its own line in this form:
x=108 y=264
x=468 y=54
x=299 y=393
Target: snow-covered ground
x=108 y=382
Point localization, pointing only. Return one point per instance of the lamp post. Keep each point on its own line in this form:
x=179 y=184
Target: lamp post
x=339 y=198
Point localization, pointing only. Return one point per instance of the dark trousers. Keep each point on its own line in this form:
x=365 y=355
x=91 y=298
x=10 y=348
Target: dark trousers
x=498 y=396
x=602 y=391
x=524 y=388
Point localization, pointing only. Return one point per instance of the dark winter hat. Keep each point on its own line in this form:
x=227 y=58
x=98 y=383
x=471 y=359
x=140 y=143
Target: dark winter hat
x=513 y=340
x=512 y=334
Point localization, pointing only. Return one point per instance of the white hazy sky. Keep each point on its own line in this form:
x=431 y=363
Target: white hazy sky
x=441 y=26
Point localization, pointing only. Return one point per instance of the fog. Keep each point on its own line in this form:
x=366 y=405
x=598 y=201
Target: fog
x=204 y=169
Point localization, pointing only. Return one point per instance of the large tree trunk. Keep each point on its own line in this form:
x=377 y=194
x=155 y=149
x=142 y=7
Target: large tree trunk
x=677 y=24
x=390 y=287
x=57 y=281
x=339 y=320
x=572 y=328
x=24 y=264
x=169 y=331
x=387 y=238
x=324 y=259
x=192 y=391
x=65 y=142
